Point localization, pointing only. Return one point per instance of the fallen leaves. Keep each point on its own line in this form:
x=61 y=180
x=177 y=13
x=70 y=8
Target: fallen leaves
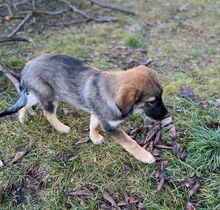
x=187 y=92
x=127 y=203
x=82 y=141
x=214 y=125
x=177 y=149
x=152 y=132
x=193 y=184
x=160 y=175
x=29 y=185
x=109 y=198
x=83 y=192
x=204 y=104
x=18 y=156
x=189 y=206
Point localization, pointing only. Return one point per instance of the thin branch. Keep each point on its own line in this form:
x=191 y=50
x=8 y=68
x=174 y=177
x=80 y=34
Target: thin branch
x=15 y=4
x=11 y=78
x=74 y=9
x=57 y=12
x=21 y=24
x=8 y=8
x=112 y=7
x=14 y=39
x=83 y=14
x=13 y=17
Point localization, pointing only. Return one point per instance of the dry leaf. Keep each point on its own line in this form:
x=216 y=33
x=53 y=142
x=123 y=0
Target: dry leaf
x=160 y=146
x=69 y=157
x=151 y=133
x=134 y=131
x=172 y=132
x=160 y=175
x=126 y=169
x=82 y=141
x=204 y=104
x=193 y=184
x=132 y=200
x=66 y=111
x=105 y=207
x=195 y=187
x=177 y=149
x=84 y=192
x=214 y=125
x=189 y=206
x=157 y=138
x=141 y=206
x=147 y=121
x=156 y=153
x=166 y=121
x=109 y=198
x=18 y=156
x=187 y=93
x=188 y=183
x=122 y=203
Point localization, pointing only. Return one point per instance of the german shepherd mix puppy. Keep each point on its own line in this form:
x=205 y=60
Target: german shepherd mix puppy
x=108 y=96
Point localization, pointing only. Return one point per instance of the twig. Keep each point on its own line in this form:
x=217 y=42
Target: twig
x=163 y=147
x=112 y=7
x=15 y=39
x=83 y=14
x=74 y=9
x=15 y=4
x=57 y=12
x=21 y=24
x=11 y=78
x=8 y=8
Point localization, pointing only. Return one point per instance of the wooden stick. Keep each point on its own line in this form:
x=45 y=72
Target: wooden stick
x=83 y=14
x=21 y=24
x=112 y=7
x=11 y=78
x=15 y=39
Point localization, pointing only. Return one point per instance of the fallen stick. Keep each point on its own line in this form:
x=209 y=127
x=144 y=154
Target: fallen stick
x=112 y=7
x=11 y=78
x=15 y=39
x=21 y=24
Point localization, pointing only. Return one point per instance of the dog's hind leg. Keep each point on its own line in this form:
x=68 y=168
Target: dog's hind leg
x=94 y=130
x=50 y=109
x=31 y=101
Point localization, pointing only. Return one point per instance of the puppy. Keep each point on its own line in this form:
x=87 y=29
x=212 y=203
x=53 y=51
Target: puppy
x=108 y=96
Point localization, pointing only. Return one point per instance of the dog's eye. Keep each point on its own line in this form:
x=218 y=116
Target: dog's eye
x=151 y=103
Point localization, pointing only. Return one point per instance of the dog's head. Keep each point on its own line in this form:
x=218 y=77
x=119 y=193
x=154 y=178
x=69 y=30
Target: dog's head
x=140 y=90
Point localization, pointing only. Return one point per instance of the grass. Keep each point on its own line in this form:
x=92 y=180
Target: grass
x=182 y=39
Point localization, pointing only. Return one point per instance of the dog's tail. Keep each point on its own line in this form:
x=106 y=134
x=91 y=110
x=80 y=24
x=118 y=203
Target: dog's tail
x=22 y=100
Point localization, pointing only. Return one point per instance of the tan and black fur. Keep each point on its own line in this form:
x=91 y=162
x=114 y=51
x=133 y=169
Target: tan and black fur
x=108 y=96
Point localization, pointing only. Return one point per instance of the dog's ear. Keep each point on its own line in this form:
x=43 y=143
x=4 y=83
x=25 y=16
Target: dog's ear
x=126 y=98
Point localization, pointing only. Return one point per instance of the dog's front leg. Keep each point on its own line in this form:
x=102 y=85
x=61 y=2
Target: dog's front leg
x=94 y=130
x=132 y=147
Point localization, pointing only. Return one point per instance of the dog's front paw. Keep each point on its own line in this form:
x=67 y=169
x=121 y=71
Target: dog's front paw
x=150 y=159
x=63 y=129
x=145 y=156
x=98 y=139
